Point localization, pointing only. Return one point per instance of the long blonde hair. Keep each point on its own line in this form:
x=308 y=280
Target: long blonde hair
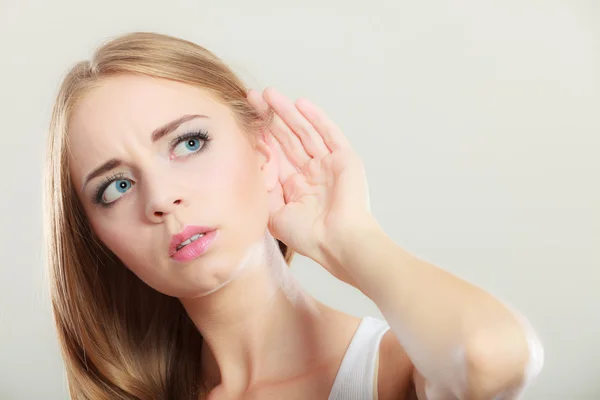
x=121 y=339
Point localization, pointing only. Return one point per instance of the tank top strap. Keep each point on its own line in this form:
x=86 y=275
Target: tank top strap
x=356 y=375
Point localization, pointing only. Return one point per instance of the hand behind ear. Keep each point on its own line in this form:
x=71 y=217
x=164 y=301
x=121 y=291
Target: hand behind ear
x=321 y=193
x=275 y=160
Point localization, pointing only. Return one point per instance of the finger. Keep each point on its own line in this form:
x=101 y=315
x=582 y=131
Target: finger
x=332 y=135
x=311 y=140
x=292 y=147
x=255 y=99
x=285 y=167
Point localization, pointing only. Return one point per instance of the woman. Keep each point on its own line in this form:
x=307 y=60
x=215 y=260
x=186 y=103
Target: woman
x=174 y=201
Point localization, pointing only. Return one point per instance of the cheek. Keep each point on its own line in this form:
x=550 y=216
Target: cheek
x=123 y=240
x=237 y=192
x=237 y=180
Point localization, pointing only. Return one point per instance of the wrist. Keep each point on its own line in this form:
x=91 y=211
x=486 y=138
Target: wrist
x=345 y=247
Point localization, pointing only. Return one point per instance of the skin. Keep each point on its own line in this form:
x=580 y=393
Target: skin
x=299 y=182
x=222 y=186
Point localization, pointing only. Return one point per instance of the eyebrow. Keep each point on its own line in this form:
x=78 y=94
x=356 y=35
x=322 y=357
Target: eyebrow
x=156 y=135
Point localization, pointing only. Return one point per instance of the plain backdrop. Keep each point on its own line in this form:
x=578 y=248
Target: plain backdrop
x=478 y=122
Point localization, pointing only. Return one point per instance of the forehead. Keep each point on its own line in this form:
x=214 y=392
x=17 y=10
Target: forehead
x=124 y=110
x=130 y=101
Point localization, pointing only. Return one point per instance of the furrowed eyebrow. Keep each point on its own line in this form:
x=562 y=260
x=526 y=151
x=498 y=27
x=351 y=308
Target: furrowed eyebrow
x=104 y=168
x=171 y=126
x=156 y=135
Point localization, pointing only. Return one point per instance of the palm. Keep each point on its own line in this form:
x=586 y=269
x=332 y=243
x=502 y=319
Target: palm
x=321 y=177
x=310 y=196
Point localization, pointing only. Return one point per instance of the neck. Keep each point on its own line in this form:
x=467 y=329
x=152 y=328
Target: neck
x=255 y=324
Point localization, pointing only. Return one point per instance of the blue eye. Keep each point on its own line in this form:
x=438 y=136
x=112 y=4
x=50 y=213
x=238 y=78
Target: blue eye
x=187 y=146
x=114 y=187
x=190 y=143
x=115 y=190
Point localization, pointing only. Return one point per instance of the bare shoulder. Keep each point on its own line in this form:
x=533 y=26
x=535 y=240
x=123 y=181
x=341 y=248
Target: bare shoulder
x=394 y=378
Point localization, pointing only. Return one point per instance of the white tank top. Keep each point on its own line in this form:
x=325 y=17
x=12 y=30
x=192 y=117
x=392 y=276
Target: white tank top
x=356 y=376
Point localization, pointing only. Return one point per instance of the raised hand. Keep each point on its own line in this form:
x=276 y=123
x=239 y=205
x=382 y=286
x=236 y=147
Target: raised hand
x=323 y=181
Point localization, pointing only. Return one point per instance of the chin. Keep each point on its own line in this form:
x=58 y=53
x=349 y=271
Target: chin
x=208 y=273
x=207 y=276
x=190 y=289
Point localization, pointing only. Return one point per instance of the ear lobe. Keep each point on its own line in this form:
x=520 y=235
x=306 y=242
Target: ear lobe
x=268 y=161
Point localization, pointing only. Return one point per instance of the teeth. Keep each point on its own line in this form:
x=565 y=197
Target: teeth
x=196 y=237
x=190 y=240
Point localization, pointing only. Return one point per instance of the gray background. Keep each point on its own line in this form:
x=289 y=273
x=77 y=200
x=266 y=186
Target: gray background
x=479 y=124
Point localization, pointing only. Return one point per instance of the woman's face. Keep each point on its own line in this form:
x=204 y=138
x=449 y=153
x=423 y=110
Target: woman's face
x=176 y=158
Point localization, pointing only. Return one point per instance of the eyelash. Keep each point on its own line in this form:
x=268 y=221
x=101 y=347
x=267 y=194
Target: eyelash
x=202 y=135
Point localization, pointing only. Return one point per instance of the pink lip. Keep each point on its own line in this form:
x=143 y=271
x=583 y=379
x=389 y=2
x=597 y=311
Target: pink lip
x=194 y=249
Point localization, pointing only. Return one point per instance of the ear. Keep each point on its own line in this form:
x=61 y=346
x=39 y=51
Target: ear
x=268 y=161
x=269 y=165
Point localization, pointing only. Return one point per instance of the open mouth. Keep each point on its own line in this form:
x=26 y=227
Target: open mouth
x=188 y=241
x=191 y=242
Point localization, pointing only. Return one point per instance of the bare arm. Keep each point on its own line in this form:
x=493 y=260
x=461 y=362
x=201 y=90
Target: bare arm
x=462 y=341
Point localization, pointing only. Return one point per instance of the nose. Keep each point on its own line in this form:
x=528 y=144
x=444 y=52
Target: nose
x=158 y=212
x=162 y=203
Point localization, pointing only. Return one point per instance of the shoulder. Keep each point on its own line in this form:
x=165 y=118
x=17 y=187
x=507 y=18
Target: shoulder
x=395 y=370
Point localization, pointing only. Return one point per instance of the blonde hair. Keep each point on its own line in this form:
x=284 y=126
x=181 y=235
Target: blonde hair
x=120 y=339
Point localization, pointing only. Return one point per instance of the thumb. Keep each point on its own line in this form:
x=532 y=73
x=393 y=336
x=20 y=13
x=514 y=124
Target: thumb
x=276 y=225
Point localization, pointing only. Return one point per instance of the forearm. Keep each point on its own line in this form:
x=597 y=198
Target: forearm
x=458 y=336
